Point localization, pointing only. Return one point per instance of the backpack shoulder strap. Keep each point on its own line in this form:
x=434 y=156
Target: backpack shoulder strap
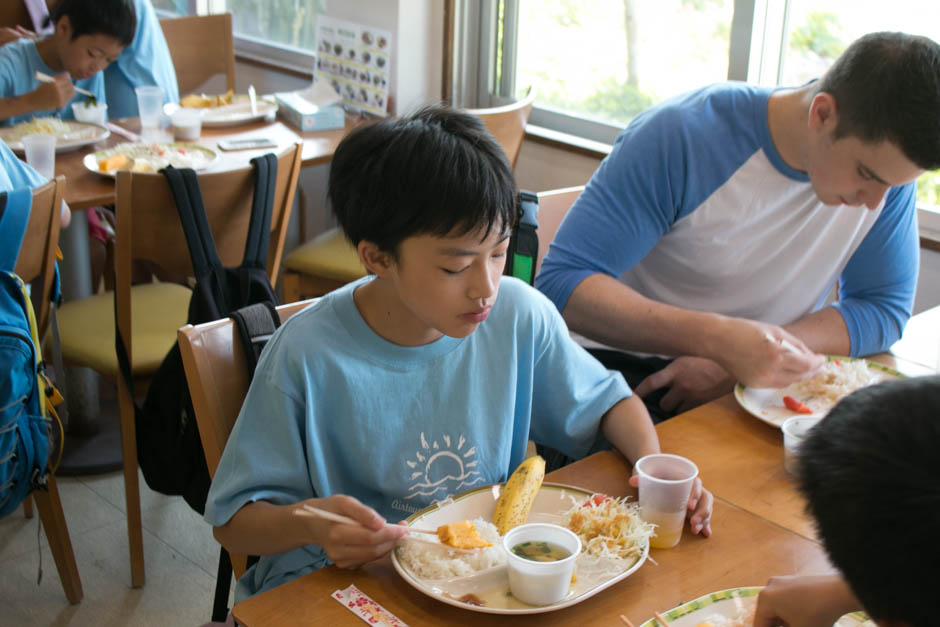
x=524 y=240
x=259 y=229
x=185 y=187
x=256 y=323
x=14 y=216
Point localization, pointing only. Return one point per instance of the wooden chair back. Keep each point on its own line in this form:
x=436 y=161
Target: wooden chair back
x=217 y=374
x=37 y=254
x=553 y=205
x=148 y=225
x=507 y=124
x=13 y=13
x=201 y=47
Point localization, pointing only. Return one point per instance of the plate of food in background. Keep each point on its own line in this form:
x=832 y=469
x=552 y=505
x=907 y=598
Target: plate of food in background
x=69 y=134
x=815 y=396
x=228 y=109
x=149 y=157
x=730 y=608
x=479 y=582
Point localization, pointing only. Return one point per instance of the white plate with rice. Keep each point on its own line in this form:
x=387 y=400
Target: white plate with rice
x=150 y=157
x=463 y=580
x=731 y=608
x=839 y=377
x=69 y=134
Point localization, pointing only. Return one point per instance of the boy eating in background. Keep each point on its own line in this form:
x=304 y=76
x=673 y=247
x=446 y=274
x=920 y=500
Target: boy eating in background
x=88 y=35
x=871 y=474
x=414 y=383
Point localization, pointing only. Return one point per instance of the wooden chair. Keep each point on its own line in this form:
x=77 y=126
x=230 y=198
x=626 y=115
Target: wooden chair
x=36 y=265
x=13 y=13
x=217 y=373
x=329 y=261
x=201 y=46
x=148 y=315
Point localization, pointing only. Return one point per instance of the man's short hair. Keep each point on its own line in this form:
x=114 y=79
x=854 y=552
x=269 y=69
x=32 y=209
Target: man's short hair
x=435 y=172
x=114 y=18
x=871 y=473
x=887 y=87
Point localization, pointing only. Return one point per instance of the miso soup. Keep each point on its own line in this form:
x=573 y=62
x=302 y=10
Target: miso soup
x=541 y=551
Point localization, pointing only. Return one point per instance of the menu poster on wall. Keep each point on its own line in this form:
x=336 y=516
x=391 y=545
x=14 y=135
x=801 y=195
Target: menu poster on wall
x=355 y=60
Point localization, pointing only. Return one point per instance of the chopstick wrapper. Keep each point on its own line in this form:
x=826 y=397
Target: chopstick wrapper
x=365 y=608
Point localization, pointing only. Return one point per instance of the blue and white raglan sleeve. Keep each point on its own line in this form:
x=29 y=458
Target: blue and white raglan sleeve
x=877 y=287
x=630 y=202
x=571 y=389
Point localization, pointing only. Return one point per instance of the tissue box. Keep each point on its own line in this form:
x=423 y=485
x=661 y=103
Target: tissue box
x=307 y=116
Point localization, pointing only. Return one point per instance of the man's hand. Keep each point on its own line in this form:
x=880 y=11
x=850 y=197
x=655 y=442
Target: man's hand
x=804 y=601
x=691 y=382
x=763 y=355
x=351 y=546
x=54 y=95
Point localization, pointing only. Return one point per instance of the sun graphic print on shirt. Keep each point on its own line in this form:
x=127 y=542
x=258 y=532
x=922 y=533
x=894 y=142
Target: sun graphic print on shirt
x=441 y=470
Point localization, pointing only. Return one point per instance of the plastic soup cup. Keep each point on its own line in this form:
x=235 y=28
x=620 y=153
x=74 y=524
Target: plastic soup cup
x=149 y=105
x=540 y=583
x=187 y=125
x=85 y=112
x=795 y=431
x=665 y=485
x=40 y=153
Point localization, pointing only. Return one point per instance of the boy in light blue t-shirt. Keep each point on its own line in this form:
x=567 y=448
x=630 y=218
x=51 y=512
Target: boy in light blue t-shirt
x=88 y=35
x=415 y=383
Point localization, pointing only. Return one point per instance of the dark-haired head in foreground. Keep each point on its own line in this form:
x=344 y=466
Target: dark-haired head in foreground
x=871 y=474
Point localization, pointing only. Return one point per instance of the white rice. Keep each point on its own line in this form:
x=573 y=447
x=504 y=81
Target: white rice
x=431 y=562
x=836 y=380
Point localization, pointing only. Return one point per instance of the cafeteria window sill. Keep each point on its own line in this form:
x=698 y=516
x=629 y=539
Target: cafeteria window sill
x=567 y=142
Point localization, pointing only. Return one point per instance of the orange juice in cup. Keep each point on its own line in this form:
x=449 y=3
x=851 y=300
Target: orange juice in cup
x=665 y=485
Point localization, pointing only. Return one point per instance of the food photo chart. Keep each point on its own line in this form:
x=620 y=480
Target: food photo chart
x=355 y=60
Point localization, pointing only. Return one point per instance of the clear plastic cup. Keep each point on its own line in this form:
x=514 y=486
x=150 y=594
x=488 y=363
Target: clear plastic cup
x=795 y=431
x=665 y=485
x=149 y=105
x=540 y=583
x=93 y=113
x=40 y=153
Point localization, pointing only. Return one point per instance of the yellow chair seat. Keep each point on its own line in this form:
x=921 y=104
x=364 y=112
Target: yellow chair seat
x=87 y=327
x=328 y=255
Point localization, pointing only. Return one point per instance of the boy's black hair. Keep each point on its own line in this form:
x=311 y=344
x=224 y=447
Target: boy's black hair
x=887 y=87
x=871 y=473
x=435 y=172
x=114 y=18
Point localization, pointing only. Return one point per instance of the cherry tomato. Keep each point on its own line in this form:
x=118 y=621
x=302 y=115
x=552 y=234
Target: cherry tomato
x=794 y=405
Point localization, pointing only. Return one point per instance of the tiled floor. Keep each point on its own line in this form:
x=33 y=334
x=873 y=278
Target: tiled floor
x=181 y=559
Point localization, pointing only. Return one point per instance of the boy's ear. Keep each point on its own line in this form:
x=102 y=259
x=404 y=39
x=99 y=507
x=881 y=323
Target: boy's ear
x=63 y=28
x=823 y=113
x=376 y=261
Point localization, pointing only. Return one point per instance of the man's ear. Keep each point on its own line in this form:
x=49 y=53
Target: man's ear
x=823 y=113
x=376 y=260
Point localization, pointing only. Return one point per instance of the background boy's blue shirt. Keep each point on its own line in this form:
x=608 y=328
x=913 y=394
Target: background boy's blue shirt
x=146 y=61
x=336 y=409
x=16 y=174
x=19 y=62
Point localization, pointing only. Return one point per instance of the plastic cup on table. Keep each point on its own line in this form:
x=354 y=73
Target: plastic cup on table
x=149 y=105
x=40 y=153
x=665 y=485
x=795 y=430
x=536 y=582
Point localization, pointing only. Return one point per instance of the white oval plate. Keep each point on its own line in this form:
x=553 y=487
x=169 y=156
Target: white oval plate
x=723 y=603
x=79 y=134
x=90 y=161
x=492 y=585
x=766 y=404
x=239 y=112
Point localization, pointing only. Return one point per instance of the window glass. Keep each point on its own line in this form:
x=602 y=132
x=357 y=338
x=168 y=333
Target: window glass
x=610 y=59
x=819 y=30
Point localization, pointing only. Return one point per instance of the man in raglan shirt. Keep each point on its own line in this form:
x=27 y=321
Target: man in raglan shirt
x=707 y=242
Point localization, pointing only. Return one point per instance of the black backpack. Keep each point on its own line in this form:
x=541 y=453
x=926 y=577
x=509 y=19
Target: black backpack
x=169 y=449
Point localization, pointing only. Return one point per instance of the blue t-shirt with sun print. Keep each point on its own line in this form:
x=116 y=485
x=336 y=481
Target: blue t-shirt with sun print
x=336 y=409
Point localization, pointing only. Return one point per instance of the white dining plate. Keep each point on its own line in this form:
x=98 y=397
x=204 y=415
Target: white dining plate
x=239 y=112
x=726 y=603
x=152 y=157
x=492 y=585
x=766 y=404
x=78 y=134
